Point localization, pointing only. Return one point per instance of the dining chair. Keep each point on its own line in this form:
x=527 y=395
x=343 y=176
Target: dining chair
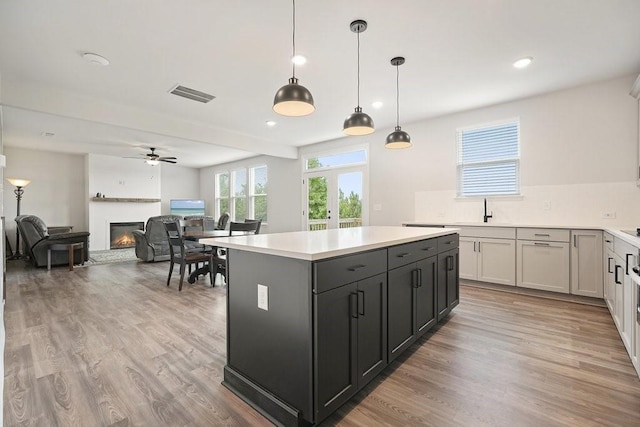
x=222 y=221
x=179 y=253
x=235 y=228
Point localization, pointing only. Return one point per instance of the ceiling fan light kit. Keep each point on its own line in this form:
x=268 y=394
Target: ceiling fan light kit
x=293 y=99
x=358 y=123
x=398 y=138
x=154 y=159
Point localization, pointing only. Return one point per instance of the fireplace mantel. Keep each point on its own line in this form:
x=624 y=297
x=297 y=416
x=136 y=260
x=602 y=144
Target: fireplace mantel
x=124 y=200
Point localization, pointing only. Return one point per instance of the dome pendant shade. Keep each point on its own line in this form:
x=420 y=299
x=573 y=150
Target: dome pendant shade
x=293 y=100
x=398 y=139
x=358 y=123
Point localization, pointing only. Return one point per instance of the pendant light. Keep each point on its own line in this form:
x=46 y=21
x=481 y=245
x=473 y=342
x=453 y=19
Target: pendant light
x=292 y=99
x=398 y=138
x=358 y=123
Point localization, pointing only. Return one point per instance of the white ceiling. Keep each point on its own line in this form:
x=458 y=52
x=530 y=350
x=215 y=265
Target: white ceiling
x=458 y=57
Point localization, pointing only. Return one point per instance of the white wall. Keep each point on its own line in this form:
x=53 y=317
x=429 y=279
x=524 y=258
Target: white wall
x=284 y=204
x=56 y=192
x=178 y=182
x=578 y=153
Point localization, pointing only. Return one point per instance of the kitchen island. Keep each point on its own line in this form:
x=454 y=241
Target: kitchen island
x=314 y=316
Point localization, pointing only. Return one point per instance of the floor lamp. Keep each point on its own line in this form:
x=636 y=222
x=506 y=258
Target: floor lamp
x=19 y=191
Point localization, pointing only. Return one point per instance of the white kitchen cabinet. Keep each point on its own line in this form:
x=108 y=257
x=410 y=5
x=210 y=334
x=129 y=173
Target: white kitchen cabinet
x=543 y=259
x=488 y=254
x=624 y=314
x=609 y=291
x=586 y=263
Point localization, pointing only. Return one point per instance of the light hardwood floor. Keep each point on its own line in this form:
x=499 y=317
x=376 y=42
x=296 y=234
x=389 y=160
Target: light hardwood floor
x=112 y=345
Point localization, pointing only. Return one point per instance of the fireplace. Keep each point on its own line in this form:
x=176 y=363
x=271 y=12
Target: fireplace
x=121 y=236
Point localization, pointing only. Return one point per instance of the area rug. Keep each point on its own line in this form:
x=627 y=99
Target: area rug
x=111 y=256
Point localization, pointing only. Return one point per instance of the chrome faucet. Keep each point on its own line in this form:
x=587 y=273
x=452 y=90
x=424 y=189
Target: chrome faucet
x=486 y=217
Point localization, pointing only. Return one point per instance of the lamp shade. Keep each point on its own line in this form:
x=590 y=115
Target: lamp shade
x=16 y=182
x=398 y=139
x=153 y=162
x=358 y=123
x=293 y=100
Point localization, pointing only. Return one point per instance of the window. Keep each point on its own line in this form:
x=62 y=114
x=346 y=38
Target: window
x=258 y=193
x=489 y=160
x=242 y=193
x=222 y=193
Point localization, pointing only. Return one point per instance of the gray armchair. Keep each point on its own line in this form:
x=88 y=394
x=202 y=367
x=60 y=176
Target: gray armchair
x=152 y=244
x=37 y=238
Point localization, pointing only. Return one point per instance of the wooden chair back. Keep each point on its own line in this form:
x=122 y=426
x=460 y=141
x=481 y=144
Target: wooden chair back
x=244 y=228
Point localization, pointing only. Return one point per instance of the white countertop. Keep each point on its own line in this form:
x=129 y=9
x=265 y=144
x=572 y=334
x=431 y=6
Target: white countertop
x=617 y=232
x=321 y=244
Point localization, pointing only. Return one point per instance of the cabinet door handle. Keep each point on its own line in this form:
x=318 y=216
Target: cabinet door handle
x=479 y=247
x=450 y=263
x=575 y=244
x=616 y=277
x=609 y=264
x=626 y=268
x=474 y=246
x=540 y=244
x=608 y=241
x=406 y=254
x=415 y=278
x=361 y=303
x=356 y=267
x=353 y=300
x=419 y=277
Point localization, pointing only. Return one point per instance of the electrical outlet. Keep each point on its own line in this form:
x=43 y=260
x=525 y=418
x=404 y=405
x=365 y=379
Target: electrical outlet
x=608 y=215
x=263 y=297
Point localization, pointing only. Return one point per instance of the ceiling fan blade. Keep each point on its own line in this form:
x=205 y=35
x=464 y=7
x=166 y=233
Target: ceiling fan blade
x=167 y=158
x=167 y=161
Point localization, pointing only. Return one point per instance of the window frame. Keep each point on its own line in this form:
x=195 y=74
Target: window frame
x=502 y=161
x=249 y=192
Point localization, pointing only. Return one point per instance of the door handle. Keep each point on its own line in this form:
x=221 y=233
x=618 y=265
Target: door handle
x=361 y=303
x=415 y=278
x=353 y=300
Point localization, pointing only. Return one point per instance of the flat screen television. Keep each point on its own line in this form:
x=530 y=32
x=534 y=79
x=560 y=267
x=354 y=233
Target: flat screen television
x=184 y=207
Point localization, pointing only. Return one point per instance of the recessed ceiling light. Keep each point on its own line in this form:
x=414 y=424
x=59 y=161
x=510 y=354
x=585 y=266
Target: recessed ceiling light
x=270 y=123
x=299 y=60
x=95 y=59
x=523 y=62
x=377 y=105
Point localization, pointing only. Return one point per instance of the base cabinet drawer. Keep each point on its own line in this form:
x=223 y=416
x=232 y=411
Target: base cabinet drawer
x=543 y=265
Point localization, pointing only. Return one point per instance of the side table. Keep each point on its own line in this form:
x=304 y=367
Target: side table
x=70 y=247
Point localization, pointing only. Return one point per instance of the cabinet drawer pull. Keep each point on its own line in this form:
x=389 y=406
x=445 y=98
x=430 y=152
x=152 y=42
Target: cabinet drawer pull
x=356 y=267
x=450 y=242
x=404 y=255
x=541 y=234
x=428 y=248
x=608 y=241
x=626 y=268
x=541 y=244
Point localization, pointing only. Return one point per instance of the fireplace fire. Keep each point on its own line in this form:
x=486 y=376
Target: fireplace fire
x=121 y=234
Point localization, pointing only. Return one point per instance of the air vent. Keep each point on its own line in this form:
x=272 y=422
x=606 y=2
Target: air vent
x=193 y=94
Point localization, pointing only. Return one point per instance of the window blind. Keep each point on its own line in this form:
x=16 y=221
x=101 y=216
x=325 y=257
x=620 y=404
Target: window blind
x=489 y=160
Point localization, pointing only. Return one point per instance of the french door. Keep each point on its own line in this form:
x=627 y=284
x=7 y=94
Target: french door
x=335 y=199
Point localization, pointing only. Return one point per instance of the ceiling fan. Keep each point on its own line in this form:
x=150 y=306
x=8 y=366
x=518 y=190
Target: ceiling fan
x=153 y=159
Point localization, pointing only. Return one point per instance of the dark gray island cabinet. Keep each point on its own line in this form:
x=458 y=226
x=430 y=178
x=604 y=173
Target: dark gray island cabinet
x=314 y=316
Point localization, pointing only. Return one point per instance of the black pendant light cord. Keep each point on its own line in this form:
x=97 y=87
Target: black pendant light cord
x=294 y=39
x=397 y=96
x=358 y=69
